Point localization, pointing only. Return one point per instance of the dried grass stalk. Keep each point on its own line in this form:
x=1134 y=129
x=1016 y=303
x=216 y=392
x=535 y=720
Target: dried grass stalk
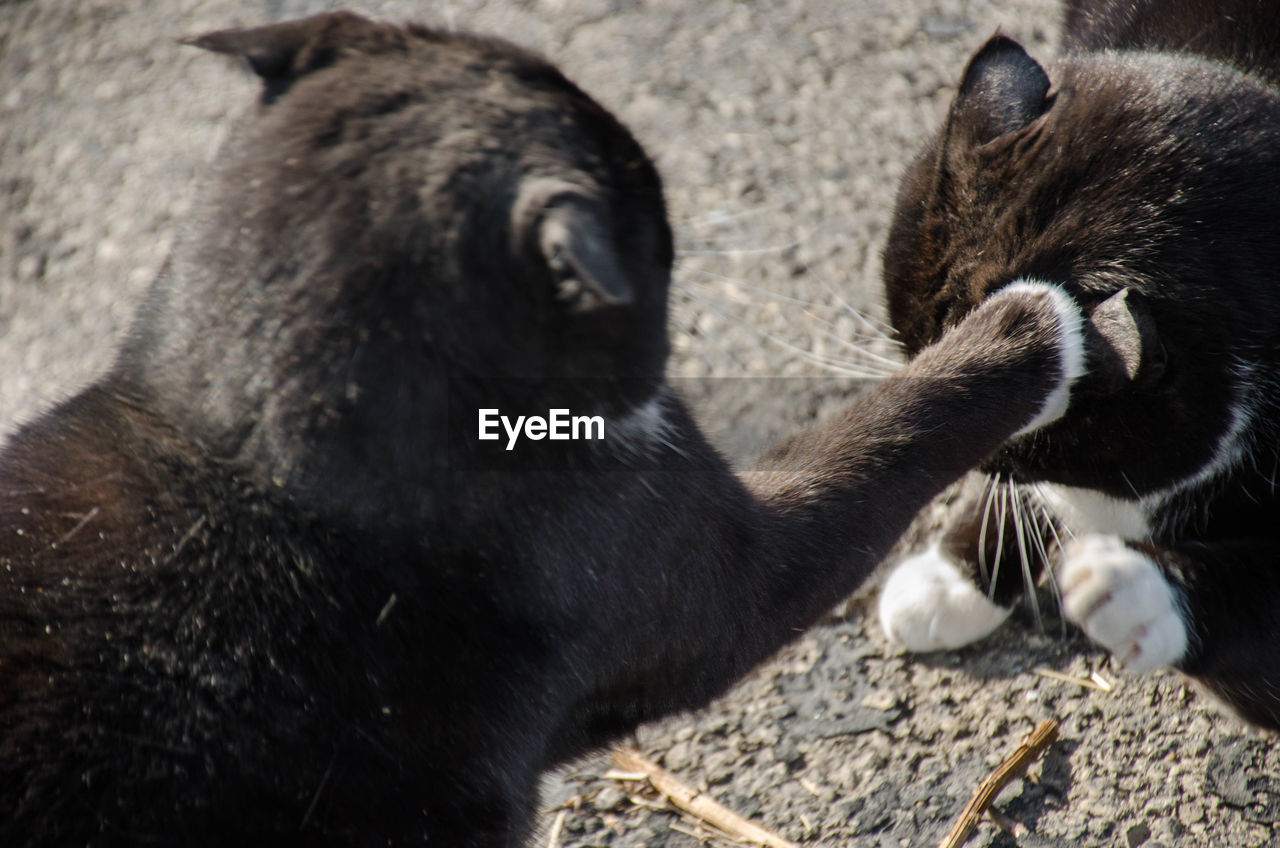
x=1015 y=765
x=700 y=806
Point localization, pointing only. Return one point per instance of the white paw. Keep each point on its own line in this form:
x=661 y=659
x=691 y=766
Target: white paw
x=927 y=604
x=1121 y=600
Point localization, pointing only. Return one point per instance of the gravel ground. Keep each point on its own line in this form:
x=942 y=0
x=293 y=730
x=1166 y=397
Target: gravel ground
x=781 y=129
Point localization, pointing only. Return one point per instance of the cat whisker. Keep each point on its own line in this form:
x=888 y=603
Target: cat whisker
x=874 y=327
x=993 y=483
x=846 y=340
x=851 y=340
x=1043 y=527
x=838 y=366
x=834 y=334
x=688 y=269
x=845 y=367
x=878 y=327
x=1001 y=519
x=1020 y=532
x=740 y=251
x=1129 y=483
x=717 y=218
x=1053 y=526
x=864 y=362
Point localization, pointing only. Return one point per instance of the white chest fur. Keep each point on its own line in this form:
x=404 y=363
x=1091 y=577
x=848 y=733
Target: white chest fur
x=1088 y=511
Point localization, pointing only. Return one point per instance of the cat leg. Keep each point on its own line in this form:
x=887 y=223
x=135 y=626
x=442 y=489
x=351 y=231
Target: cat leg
x=1208 y=609
x=963 y=587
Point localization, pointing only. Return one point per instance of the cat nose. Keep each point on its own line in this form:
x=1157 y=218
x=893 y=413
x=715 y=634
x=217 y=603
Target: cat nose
x=1122 y=344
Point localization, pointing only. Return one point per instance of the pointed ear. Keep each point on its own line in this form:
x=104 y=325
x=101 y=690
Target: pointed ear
x=568 y=232
x=1127 y=344
x=1003 y=90
x=282 y=53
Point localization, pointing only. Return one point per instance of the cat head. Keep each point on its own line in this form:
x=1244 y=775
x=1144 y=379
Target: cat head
x=406 y=219
x=1144 y=185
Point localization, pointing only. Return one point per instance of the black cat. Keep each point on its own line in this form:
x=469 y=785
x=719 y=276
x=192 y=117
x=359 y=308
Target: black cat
x=1140 y=173
x=265 y=583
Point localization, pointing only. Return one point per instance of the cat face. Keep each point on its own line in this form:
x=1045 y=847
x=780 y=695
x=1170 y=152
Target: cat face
x=1139 y=184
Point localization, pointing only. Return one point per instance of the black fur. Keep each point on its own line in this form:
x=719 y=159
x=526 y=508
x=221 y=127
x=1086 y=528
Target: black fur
x=261 y=585
x=1143 y=180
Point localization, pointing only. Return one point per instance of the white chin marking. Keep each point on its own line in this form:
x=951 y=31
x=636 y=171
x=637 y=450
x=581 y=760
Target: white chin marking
x=1121 y=600
x=1070 y=348
x=927 y=604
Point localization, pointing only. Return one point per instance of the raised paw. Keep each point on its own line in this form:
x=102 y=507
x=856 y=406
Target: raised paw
x=928 y=604
x=1121 y=600
x=1071 y=352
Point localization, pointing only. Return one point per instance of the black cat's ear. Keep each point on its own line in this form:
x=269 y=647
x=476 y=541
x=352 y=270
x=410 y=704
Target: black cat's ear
x=568 y=230
x=282 y=53
x=1126 y=343
x=1003 y=90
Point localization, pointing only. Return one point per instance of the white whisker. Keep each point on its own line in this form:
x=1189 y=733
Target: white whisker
x=844 y=367
x=839 y=366
x=740 y=251
x=876 y=336
x=1001 y=518
x=993 y=483
x=880 y=328
x=855 y=355
x=1020 y=531
x=1041 y=492
x=852 y=345
x=833 y=365
x=685 y=269
x=848 y=341
x=720 y=218
x=1044 y=522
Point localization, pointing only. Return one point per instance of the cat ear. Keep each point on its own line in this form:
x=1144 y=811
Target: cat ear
x=1003 y=90
x=282 y=53
x=568 y=231
x=1130 y=344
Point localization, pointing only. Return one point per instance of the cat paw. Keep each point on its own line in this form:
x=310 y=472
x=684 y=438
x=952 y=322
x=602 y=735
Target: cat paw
x=1071 y=351
x=1121 y=600
x=928 y=604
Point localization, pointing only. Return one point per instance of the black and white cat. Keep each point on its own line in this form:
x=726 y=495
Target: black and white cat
x=1141 y=172
x=265 y=583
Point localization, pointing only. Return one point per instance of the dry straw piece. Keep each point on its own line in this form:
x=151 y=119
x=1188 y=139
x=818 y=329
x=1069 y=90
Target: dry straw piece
x=633 y=764
x=1015 y=765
